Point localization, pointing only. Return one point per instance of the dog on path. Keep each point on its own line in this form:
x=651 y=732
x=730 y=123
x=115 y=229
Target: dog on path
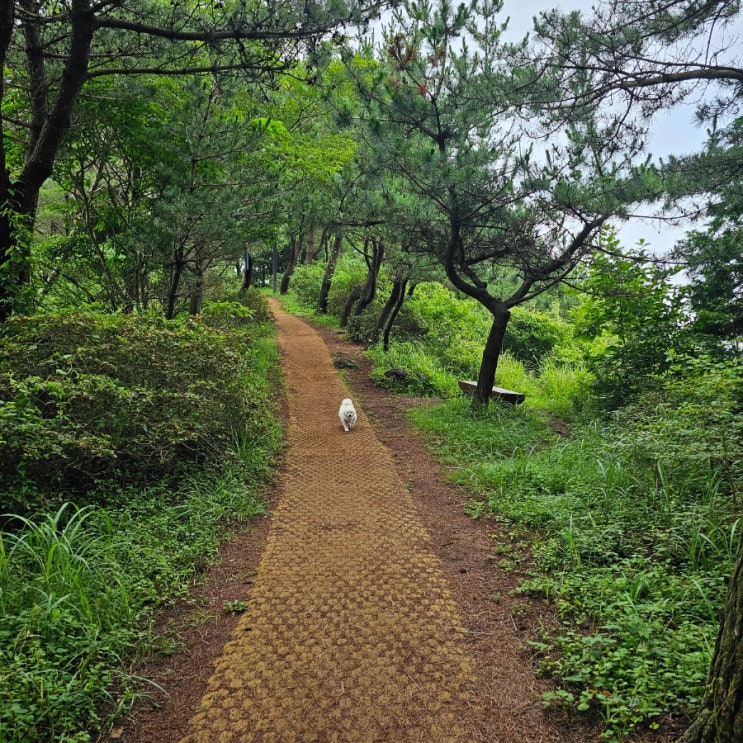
x=347 y=414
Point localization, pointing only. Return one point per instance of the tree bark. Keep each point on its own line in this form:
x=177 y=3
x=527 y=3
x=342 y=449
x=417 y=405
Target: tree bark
x=393 y=316
x=391 y=307
x=491 y=353
x=720 y=719
x=295 y=247
x=369 y=288
x=175 y=281
x=353 y=297
x=247 y=272
x=198 y=293
x=327 y=279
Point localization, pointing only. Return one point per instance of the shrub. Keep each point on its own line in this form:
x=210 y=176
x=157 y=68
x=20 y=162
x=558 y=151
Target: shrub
x=306 y=283
x=87 y=398
x=532 y=336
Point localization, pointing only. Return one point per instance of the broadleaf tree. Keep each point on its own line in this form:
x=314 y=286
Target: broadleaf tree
x=50 y=50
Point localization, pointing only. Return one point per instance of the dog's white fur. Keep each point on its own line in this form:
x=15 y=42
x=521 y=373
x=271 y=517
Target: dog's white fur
x=347 y=414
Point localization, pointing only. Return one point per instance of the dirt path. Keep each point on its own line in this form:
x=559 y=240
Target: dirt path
x=377 y=612
x=351 y=634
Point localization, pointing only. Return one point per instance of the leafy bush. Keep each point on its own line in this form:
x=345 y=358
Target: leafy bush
x=306 y=283
x=78 y=586
x=67 y=619
x=454 y=328
x=87 y=398
x=531 y=336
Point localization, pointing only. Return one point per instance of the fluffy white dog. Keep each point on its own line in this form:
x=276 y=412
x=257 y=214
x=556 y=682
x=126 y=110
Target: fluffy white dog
x=347 y=414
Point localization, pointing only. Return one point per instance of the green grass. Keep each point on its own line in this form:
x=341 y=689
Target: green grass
x=80 y=583
x=634 y=556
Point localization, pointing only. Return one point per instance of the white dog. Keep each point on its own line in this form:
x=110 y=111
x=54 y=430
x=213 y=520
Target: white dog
x=347 y=414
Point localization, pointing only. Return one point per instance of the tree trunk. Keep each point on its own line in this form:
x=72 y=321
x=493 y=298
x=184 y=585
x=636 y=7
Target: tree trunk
x=15 y=263
x=327 y=279
x=247 y=272
x=198 y=293
x=295 y=248
x=720 y=719
x=353 y=297
x=393 y=316
x=175 y=281
x=312 y=247
x=369 y=289
x=392 y=305
x=491 y=353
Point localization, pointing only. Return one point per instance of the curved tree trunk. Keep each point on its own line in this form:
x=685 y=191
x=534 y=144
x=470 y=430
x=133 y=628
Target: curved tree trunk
x=327 y=279
x=392 y=305
x=393 y=316
x=369 y=288
x=720 y=719
x=490 y=355
x=353 y=297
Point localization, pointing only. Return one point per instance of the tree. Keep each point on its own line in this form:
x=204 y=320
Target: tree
x=713 y=256
x=635 y=306
x=648 y=55
x=49 y=51
x=155 y=179
x=444 y=118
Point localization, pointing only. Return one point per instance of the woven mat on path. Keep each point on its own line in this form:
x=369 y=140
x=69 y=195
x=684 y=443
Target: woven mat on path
x=351 y=634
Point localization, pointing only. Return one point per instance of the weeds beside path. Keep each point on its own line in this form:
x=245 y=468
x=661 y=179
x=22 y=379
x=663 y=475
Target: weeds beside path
x=376 y=613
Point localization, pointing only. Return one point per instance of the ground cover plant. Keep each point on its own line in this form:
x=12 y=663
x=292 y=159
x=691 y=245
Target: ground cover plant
x=631 y=538
x=630 y=515
x=128 y=446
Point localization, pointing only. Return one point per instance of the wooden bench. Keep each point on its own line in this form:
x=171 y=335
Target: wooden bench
x=497 y=393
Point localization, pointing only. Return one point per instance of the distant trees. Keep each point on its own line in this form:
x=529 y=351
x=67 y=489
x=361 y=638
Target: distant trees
x=49 y=51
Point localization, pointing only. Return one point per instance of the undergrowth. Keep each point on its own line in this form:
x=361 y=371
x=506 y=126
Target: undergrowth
x=631 y=541
x=177 y=422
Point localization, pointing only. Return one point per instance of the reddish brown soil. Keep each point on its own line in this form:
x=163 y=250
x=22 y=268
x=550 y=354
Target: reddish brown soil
x=505 y=701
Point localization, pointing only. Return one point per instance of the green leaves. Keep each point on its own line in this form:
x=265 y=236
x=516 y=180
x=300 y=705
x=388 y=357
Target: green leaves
x=88 y=398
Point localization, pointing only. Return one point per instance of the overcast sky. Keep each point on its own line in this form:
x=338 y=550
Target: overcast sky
x=674 y=132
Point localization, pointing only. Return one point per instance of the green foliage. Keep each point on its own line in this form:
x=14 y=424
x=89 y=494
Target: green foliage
x=306 y=282
x=420 y=373
x=532 y=336
x=66 y=620
x=78 y=589
x=642 y=318
x=633 y=527
x=79 y=586
x=453 y=327
x=713 y=255
x=88 y=399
